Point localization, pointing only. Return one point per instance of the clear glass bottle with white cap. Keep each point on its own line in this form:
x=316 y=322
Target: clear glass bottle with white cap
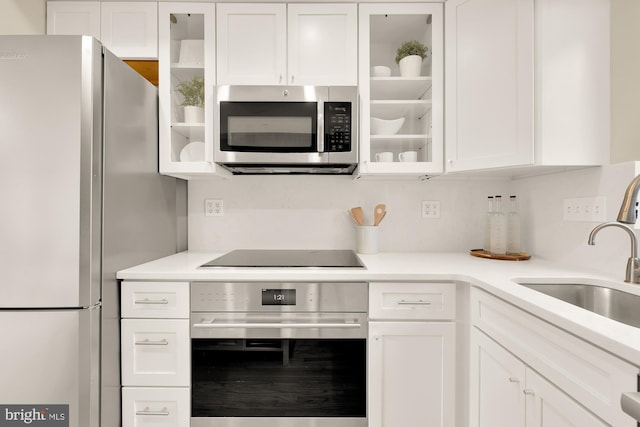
x=514 y=243
x=487 y=224
x=498 y=241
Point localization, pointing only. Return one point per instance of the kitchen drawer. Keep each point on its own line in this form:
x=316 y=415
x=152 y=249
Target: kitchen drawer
x=412 y=301
x=155 y=352
x=588 y=374
x=155 y=300
x=160 y=407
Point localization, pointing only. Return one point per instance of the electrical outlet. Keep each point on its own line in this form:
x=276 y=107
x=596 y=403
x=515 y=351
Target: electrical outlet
x=430 y=209
x=591 y=209
x=214 y=207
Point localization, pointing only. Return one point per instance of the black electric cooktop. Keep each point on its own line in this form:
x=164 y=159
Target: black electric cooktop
x=287 y=258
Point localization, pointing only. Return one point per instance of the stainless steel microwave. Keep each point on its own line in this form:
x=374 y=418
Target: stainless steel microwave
x=287 y=129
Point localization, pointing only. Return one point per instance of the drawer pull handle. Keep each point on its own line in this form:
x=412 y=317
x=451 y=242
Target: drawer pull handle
x=529 y=392
x=163 y=341
x=151 y=301
x=164 y=412
x=630 y=403
x=514 y=380
x=418 y=302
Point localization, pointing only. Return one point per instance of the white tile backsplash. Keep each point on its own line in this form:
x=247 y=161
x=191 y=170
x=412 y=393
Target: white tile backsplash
x=289 y=212
x=548 y=236
x=311 y=212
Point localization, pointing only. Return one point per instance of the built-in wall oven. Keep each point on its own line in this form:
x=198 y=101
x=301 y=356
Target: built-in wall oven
x=274 y=354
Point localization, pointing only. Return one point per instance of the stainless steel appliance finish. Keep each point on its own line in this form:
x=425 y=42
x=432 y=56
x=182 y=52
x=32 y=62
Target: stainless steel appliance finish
x=81 y=199
x=621 y=306
x=303 y=345
x=285 y=258
x=287 y=129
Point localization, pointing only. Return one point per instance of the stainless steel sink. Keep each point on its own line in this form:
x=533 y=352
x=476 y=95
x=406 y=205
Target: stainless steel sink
x=617 y=305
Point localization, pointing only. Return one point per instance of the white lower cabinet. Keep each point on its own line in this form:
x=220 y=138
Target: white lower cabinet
x=506 y=392
x=156 y=354
x=548 y=406
x=158 y=407
x=411 y=356
x=527 y=372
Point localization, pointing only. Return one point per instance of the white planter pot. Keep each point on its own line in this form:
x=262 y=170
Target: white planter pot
x=410 y=66
x=193 y=114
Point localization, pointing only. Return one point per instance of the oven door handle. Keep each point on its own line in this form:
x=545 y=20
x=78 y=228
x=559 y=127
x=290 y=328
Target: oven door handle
x=277 y=325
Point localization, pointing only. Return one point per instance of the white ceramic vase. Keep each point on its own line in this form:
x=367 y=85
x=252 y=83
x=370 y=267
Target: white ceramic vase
x=410 y=66
x=193 y=114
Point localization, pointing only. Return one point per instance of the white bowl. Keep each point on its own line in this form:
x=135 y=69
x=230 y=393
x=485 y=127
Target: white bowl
x=380 y=71
x=386 y=127
x=192 y=152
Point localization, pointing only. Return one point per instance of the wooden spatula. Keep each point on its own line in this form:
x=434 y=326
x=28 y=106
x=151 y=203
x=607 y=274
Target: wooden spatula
x=378 y=213
x=357 y=215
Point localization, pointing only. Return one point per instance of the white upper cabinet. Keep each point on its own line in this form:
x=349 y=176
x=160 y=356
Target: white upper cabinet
x=527 y=83
x=187 y=52
x=260 y=44
x=130 y=29
x=323 y=44
x=74 y=18
x=415 y=100
x=252 y=41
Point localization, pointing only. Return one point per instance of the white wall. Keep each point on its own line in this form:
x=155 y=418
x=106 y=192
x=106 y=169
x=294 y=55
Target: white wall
x=548 y=236
x=23 y=16
x=625 y=85
x=289 y=212
x=311 y=212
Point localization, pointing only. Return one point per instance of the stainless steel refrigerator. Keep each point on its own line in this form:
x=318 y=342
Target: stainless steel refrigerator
x=80 y=198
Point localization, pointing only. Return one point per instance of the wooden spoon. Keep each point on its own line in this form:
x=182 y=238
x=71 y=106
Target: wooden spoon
x=357 y=215
x=378 y=213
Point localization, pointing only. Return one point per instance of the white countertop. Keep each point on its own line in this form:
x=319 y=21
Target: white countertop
x=493 y=276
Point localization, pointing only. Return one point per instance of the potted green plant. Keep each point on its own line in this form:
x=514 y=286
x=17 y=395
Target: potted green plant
x=192 y=92
x=409 y=57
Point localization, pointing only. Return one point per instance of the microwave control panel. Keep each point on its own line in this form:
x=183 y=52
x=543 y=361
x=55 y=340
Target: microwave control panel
x=337 y=126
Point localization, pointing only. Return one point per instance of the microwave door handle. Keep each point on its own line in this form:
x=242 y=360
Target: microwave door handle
x=320 y=135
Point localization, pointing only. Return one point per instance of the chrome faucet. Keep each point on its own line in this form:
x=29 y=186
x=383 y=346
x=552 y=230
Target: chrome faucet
x=627 y=215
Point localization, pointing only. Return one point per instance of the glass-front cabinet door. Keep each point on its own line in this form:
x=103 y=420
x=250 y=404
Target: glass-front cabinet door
x=186 y=89
x=401 y=89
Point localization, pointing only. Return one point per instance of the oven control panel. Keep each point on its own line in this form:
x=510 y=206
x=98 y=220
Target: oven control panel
x=337 y=126
x=277 y=296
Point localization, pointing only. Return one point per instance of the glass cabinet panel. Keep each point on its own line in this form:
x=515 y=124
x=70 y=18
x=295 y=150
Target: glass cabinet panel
x=186 y=89
x=402 y=102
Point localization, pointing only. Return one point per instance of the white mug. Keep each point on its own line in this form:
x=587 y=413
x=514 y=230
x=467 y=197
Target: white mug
x=385 y=156
x=408 y=156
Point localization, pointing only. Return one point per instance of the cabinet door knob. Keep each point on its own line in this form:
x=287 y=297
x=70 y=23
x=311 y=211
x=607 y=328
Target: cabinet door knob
x=514 y=380
x=529 y=392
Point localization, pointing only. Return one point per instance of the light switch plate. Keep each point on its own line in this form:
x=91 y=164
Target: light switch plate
x=590 y=209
